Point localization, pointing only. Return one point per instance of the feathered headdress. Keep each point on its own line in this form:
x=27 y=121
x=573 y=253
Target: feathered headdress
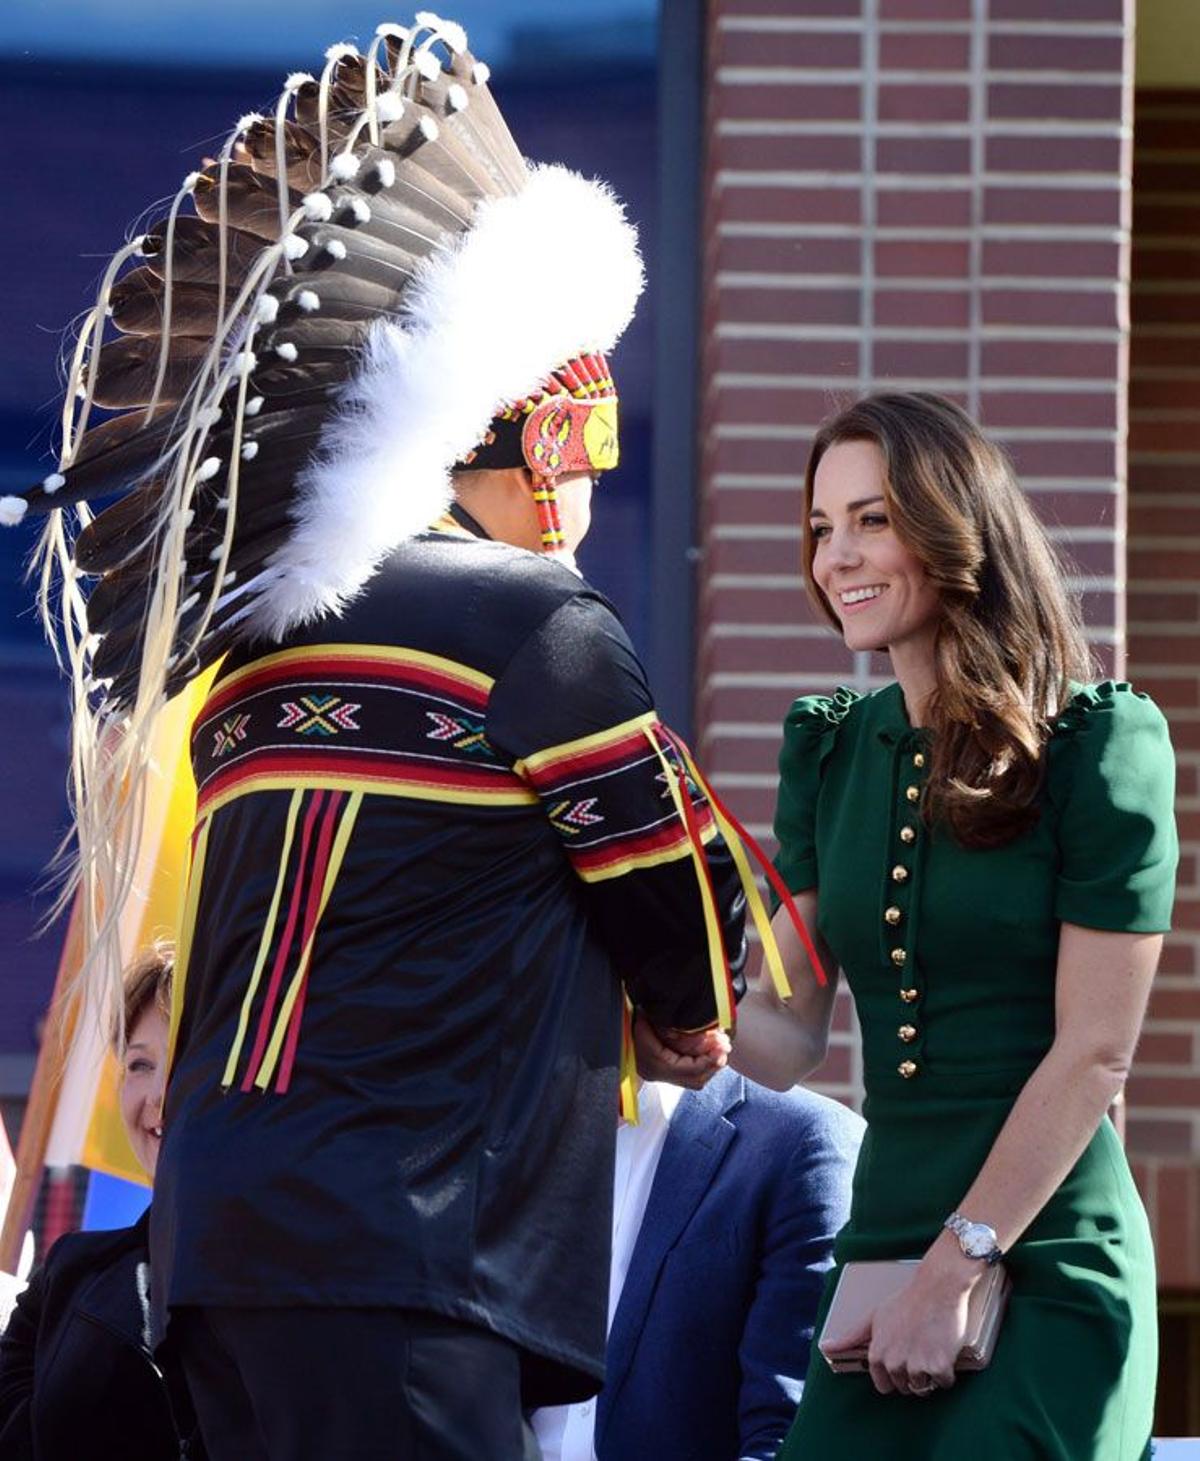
x=325 y=321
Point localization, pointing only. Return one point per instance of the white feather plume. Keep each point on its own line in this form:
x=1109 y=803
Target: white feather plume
x=432 y=380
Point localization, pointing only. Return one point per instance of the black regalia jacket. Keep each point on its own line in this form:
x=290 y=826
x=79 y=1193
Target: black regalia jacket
x=434 y=837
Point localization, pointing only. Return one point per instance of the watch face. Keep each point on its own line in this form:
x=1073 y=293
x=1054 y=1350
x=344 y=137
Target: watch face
x=978 y=1240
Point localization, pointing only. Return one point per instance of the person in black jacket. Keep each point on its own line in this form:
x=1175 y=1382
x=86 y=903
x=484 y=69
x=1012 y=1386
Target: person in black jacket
x=77 y=1379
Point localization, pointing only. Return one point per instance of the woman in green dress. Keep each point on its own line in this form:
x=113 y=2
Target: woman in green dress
x=986 y=848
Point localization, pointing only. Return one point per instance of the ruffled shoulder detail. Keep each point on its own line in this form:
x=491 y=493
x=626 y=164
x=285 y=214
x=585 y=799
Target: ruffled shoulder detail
x=810 y=733
x=1103 y=709
x=821 y=715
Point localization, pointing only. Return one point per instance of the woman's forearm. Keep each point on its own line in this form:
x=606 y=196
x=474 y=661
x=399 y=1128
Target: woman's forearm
x=772 y=1045
x=1050 y=1124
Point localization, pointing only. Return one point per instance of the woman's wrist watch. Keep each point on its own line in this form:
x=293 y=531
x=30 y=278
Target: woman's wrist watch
x=976 y=1240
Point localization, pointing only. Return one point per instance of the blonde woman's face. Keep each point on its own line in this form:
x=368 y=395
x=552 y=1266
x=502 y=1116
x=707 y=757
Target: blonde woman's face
x=143 y=1079
x=876 y=585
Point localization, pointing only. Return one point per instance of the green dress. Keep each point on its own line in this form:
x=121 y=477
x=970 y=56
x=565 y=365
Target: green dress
x=950 y=955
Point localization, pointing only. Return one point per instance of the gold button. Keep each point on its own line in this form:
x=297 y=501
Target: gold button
x=899 y=874
x=908 y=1069
x=898 y=957
x=913 y=793
x=909 y=996
x=907 y=1033
x=919 y=760
x=891 y=915
x=908 y=834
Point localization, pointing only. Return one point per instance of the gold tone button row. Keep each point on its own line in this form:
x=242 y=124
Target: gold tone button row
x=913 y=793
x=907 y=1033
x=899 y=873
x=919 y=760
x=908 y=835
x=892 y=916
x=908 y=1069
x=898 y=957
x=909 y=996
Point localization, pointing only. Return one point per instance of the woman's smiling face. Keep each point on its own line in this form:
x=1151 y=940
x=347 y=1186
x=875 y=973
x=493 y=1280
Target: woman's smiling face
x=877 y=587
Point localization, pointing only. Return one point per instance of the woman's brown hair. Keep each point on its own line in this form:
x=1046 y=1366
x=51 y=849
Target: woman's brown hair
x=1009 y=642
x=147 y=982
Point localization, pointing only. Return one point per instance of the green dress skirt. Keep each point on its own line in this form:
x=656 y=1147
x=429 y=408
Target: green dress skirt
x=951 y=957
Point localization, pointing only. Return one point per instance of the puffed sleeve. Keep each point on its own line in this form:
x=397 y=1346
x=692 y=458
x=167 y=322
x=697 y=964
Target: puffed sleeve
x=1112 y=780
x=809 y=735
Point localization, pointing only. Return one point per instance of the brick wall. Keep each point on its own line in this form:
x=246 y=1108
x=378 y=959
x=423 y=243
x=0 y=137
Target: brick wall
x=918 y=193
x=1164 y=638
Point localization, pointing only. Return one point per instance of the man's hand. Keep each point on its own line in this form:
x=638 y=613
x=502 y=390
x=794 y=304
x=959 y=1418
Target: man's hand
x=682 y=1059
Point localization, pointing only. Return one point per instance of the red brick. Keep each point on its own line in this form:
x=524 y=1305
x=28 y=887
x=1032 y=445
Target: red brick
x=740 y=755
x=1175 y=1004
x=748 y=507
x=1164 y=133
x=751 y=305
x=925 y=9
x=800 y=256
x=753 y=605
x=1172 y=436
x=1150 y=261
x=1073 y=509
x=1076 y=359
x=1186 y=913
x=927 y=102
x=758 y=654
x=778 y=101
x=1187 y=782
x=1086 y=308
x=924 y=51
x=820 y=49
x=1155 y=176
x=1164 y=395
x=1166 y=1047
x=923 y=154
x=1092 y=409
x=764 y=706
x=1181 y=219
x=1162 y=522
x=1051 y=205
x=785 y=152
x=921 y=359
x=834 y=1069
x=1152 y=476
x=1150 y=563
x=1150 y=352
x=1090 y=559
x=775 y=404
x=1010 y=101
x=1065 y=11
x=751 y=454
x=826 y=358
x=923 y=258
x=743 y=555
x=1174 y=608
x=1041 y=52
x=1163 y=1090
x=1050 y=258
x=1068 y=459
x=1025 y=152
x=940 y=309
x=1099 y=606
x=1179 y=650
x=922 y=208
x=1159 y=1138
x=1165 y=307
x=788 y=205
x=1176 y=1209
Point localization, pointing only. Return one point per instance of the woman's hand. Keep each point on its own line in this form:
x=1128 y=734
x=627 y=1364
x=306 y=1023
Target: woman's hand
x=916 y=1335
x=682 y=1059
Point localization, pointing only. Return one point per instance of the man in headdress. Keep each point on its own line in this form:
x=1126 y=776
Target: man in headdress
x=440 y=827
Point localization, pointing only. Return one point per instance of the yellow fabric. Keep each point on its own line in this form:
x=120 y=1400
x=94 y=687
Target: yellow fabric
x=628 y=1088
x=264 y=944
x=754 y=901
x=340 y=842
x=712 y=924
x=154 y=910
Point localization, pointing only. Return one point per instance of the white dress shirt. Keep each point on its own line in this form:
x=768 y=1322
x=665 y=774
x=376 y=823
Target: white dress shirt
x=568 y=1432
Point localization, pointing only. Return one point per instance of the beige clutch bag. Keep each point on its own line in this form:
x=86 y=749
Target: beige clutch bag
x=862 y=1286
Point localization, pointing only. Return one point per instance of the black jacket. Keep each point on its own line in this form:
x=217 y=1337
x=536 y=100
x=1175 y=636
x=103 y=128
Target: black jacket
x=435 y=837
x=76 y=1379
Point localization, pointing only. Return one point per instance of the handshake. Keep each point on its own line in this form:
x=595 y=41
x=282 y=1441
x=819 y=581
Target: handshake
x=680 y=1057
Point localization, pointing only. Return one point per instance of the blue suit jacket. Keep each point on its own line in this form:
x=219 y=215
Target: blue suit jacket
x=709 y=1345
